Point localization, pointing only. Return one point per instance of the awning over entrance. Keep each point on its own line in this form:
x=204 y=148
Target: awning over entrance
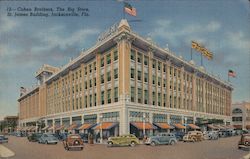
x=192 y=126
x=139 y=125
x=238 y=126
x=72 y=126
x=59 y=127
x=212 y=126
x=85 y=126
x=32 y=128
x=105 y=125
x=230 y=127
x=179 y=126
x=46 y=127
x=163 y=125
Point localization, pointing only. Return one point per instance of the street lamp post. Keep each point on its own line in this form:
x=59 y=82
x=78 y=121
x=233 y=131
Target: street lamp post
x=144 y=117
x=101 y=128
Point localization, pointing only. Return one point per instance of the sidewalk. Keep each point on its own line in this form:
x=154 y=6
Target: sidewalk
x=5 y=152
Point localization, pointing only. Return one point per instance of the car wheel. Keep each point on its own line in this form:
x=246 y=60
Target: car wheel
x=46 y=142
x=110 y=143
x=132 y=144
x=81 y=148
x=172 y=142
x=152 y=143
x=246 y=143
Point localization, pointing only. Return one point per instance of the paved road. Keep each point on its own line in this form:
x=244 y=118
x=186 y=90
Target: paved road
x=225 y=148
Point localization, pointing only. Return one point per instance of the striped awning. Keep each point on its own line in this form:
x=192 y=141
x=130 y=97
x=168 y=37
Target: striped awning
x=105 y=125
x=193 y=126
x=164 y=125
x=179 y=126
x=59 y=127
x=212 y=126
x=85 y=126
x=72 y=126
x=51 y=128
x=139 y=125
x=46 y=127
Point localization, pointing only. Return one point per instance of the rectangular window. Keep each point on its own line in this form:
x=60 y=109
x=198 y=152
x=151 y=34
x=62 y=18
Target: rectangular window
x=109 y=96
x=159 y=81
x=102 y=61
x=102 y=97
x=116 y=94
x=115 y=55
x=139 y=58
x=132 y=94
x=170 y=70
x=86 y=71
x=145 y=60
x=86 y=101
x=159 y=65
x=94 y=65
x=94 y=81
x=139 y=75
x=132 y=55
x=90 y=68
x=116 y=73
x=90 y=83
x=95 y=99
x=139 y=95
x=102 y=78
x=145 y=77
x=108 y=59
x=154 y=79
x=164 y=100
x=159 y=99
x=164 y=67
x=108 y=76
x=153 y=63
x=154 y=98
x=145 y=96
x=90 y=100
x=132 y=73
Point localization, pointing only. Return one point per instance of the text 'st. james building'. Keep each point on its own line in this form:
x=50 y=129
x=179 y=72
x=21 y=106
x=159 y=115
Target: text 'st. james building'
x=127 y=84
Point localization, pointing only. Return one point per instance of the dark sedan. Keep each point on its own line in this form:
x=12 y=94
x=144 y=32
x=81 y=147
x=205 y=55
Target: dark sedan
x=34 y=137
x=3 y=139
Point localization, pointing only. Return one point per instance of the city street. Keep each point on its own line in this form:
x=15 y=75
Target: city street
x=224 y=148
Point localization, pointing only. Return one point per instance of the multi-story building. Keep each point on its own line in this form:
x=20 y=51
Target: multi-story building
x=241 y=115
x=9 y=124
x=126 y=83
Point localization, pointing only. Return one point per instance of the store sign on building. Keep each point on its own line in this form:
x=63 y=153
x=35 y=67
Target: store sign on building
x=110 y=31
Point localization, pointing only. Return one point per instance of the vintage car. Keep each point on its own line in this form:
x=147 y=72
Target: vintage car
x=48 y=139
x=34 y=137
x=124 y=140
x=193 y=136
x=179 y=135
x=211 y=135
x=73 y=141
x=244 y=141
x=161 y=138
x=3 y=139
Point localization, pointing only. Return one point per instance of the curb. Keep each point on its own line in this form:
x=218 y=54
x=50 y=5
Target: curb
x=5 y=152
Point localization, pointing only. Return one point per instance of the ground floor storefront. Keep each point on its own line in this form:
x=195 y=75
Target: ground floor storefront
x=129 y=118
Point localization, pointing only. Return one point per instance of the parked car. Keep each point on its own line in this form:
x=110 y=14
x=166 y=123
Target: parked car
x=161 y=138
x=48 y=139
x=128 y=140
x=62 y=136
x=179 y=135
x=73 y=141
x=193 y=136
x=3 y=139
x=244 y=141
x=34 y=137
x=211 y=135
x=84 y=137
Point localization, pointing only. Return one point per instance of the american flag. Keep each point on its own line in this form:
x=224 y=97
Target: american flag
x=231 y=73
x=129 y=9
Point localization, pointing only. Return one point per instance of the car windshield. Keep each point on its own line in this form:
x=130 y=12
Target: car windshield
x=50 y=135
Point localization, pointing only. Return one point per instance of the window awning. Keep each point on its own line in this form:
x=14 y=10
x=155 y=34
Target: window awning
x=33 y=128
x=46 y=127
x=85 y=126
x=51 y=128
x=192 y=126
x=59 y=127
x=238 y=126
x=139 y=125
x=247 y=126
x=105 y=125
x=163 y=125
x=212 y=126
x=179 y=126
x=230 y=127
x=72 y=126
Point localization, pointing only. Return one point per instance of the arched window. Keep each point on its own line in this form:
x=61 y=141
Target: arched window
x=237 y=110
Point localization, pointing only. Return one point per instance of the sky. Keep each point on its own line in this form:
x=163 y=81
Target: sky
x=26 y=43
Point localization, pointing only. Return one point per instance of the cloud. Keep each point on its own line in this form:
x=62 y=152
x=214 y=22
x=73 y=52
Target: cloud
x=238 y=40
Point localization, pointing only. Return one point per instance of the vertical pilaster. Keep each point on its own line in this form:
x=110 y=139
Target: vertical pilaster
x=168 y=83
x=98 y=77
x=194 y=107
x=182 y=105
x=150 y=77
